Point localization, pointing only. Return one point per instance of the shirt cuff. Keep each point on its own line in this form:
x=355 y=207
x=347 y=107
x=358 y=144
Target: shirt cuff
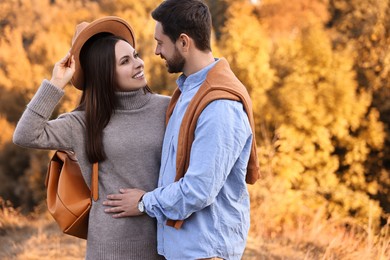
x=149 y=201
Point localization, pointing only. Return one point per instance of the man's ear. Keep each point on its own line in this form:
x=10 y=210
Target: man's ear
x=184 y=42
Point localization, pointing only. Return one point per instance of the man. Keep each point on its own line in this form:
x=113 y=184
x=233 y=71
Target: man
x=202 y=202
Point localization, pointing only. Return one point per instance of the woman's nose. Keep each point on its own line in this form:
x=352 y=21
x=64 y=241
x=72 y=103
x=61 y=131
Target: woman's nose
x=139 y=63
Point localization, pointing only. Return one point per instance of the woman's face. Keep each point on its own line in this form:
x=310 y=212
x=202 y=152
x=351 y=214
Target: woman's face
x=129 y=67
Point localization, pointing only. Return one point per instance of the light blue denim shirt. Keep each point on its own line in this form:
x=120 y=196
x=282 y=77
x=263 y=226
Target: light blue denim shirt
x=212 y=197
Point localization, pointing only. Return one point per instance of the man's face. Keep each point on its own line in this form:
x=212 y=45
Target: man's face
x=168 y=51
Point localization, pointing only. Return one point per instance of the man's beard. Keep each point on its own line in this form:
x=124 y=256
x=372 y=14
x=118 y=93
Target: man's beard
x=176 y=63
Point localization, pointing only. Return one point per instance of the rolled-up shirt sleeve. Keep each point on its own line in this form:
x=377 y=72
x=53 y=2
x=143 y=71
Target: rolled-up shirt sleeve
x=222 y=132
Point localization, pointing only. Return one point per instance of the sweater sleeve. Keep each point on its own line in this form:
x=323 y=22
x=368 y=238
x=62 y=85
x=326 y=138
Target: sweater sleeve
x=35 y=130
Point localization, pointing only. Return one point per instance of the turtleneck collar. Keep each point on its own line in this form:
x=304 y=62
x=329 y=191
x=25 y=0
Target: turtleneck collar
x=132 y=100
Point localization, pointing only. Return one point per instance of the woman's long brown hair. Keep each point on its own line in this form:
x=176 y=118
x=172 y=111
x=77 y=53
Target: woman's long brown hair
x=97 y=60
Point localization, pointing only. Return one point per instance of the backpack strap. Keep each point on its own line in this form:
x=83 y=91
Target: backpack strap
x=95 y=181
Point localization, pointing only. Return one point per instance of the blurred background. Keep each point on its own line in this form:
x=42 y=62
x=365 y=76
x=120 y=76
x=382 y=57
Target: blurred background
x=317 y=71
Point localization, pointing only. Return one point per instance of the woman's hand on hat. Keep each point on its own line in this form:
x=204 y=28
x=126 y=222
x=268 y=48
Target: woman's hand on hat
x=63 y=71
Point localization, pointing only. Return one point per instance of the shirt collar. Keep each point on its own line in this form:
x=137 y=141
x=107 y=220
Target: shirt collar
x=194 y=80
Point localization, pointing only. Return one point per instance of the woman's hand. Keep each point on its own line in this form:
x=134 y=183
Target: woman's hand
x=63 y=72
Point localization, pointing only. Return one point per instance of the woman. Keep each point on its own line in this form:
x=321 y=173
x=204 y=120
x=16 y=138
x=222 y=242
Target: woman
x=119 y=123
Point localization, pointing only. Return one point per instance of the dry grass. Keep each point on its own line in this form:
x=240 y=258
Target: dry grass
x=38 y=237
x=310 y=235
x=325 y=245
x=35 y=237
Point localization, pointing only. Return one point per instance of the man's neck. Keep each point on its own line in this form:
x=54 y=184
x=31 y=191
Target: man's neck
x=197 y=61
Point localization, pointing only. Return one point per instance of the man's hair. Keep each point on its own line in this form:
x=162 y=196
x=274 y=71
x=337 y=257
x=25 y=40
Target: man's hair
x=191 y=17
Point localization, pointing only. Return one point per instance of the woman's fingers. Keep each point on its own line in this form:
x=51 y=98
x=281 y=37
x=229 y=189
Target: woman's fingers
x=65 y=59
x=72 y=63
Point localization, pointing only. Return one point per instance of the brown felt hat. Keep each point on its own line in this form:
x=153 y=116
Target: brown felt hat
x=109 y=24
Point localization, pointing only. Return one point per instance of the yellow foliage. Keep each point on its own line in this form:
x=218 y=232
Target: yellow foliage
x=320 y=121
x=13 y=56
x=374 y=132
x=6 y=132
x=317 y=128
x=246 y=47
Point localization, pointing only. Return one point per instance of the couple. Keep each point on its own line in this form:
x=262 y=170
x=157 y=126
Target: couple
x=201 y=202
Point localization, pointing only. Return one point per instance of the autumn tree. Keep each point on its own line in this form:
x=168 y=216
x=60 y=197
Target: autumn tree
x=287 y=18
x=245 y=45
x=30 y=44
x=326 y=129
x=364 y=26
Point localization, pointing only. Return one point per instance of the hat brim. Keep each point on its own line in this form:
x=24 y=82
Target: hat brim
x=108 y=24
